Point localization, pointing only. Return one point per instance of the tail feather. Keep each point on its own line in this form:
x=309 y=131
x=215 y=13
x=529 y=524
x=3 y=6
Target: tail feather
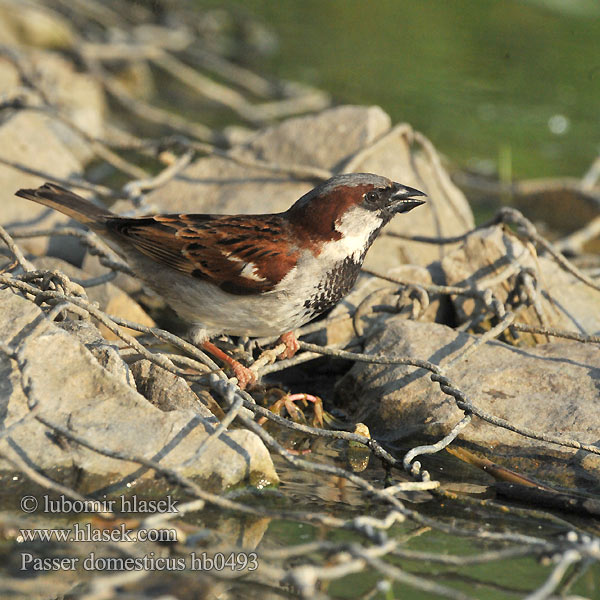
x=70 y=204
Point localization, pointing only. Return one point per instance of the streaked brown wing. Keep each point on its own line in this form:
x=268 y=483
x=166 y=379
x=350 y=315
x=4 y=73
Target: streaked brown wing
x=242 y=254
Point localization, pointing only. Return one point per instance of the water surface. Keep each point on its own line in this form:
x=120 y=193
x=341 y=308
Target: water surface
x=481 y=78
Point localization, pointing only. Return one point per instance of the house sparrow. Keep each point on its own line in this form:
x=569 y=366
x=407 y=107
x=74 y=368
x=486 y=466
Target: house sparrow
x=250 y=275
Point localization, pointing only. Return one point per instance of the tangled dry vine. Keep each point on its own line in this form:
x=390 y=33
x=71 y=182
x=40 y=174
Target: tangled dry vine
x=377 y=543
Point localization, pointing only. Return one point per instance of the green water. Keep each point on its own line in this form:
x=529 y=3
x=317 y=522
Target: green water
x=501 y=579
x=477 y=76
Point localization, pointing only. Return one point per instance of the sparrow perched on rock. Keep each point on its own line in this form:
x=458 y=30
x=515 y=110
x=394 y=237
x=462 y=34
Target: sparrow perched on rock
x=250 y=275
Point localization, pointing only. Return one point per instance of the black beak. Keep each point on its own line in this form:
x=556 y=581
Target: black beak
x=403 y=199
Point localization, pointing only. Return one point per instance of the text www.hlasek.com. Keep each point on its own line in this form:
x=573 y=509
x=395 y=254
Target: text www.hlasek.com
x=88 y=533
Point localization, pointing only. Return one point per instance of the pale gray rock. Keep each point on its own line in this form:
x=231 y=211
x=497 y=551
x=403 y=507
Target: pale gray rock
x=564 y=301
x=40 y=142
x=9 y=76
x=322 y=140
x=132 y=286
x=166 y=390
x=104 y=352
x=218 y=185
x=27 y=139
x=73 y=390
x=78 y=96
x=552 y=389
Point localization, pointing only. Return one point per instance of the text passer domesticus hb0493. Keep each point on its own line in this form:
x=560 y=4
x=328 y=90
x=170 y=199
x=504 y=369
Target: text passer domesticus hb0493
x=254 y=275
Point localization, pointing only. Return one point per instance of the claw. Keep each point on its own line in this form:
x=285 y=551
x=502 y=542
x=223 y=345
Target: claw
x=288 y=401
x=245 y=376
x=291 y=345
x=318 y=406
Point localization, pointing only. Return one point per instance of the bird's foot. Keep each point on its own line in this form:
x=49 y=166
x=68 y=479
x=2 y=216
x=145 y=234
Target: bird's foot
x=245 y=376
x=288 y=402
x=291 y=345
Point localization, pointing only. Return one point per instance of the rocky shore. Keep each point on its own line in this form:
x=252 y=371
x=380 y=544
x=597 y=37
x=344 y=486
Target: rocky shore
x=440 y=285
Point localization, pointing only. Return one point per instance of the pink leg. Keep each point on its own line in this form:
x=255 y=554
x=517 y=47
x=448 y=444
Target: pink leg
x=319 y=416
x=244 y=375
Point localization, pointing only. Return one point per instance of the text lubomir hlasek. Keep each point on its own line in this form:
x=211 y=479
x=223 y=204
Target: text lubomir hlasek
x=121 y=504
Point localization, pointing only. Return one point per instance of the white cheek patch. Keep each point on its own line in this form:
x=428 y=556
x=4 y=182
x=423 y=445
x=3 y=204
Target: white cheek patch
x=356 y=226
x=359 y=223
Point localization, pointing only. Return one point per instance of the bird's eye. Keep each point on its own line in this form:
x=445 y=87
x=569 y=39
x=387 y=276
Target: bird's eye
x=372 y=196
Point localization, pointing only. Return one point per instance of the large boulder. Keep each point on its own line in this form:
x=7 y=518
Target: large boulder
x=106 y=353
x=73 y=390
x=38 y=141
x=76 y=95
x=324 y=140
x=563 y=301
x=552 y=389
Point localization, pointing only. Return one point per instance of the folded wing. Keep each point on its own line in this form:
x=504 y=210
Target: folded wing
x=242 y=254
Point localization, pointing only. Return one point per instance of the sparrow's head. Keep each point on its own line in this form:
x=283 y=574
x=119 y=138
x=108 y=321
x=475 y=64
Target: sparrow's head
x=354 y=205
